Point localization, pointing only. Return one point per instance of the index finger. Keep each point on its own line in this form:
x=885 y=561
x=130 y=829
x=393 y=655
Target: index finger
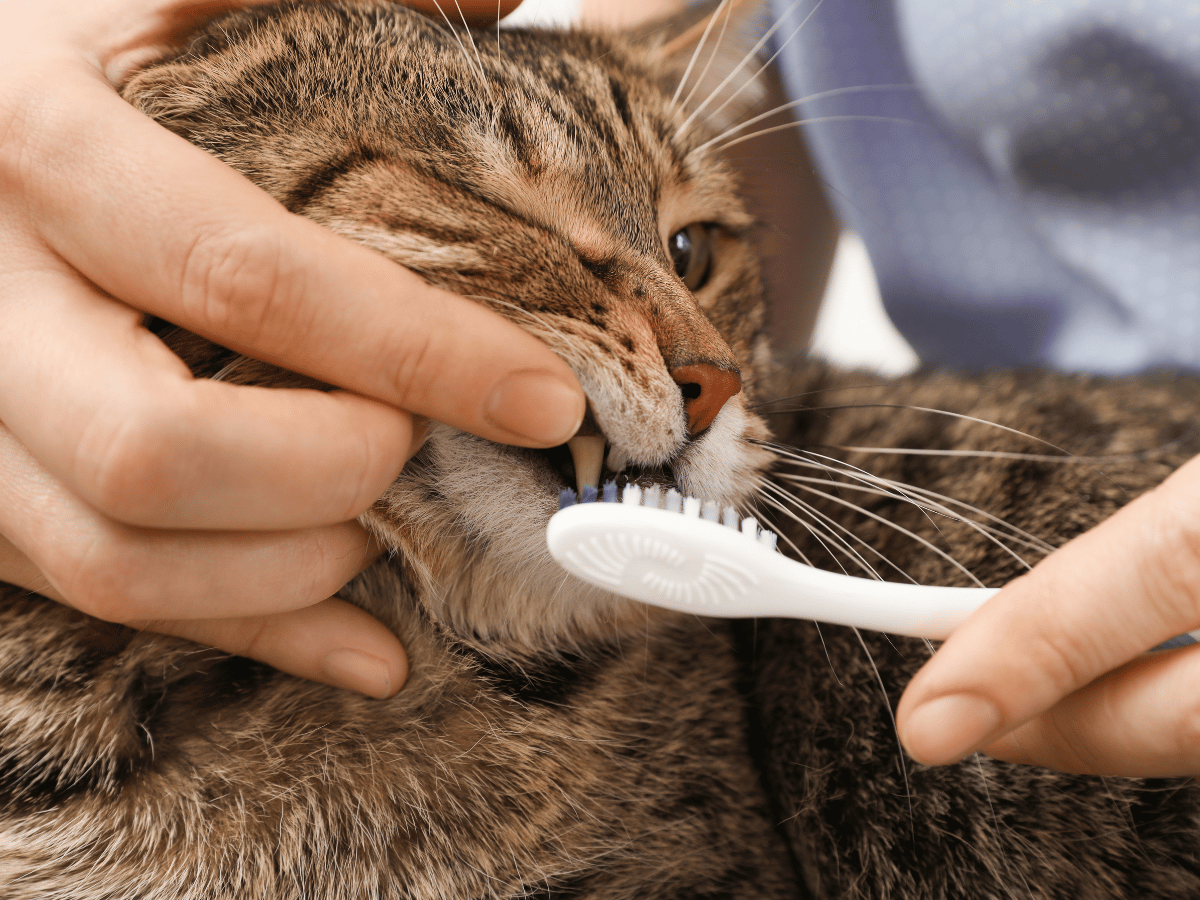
x=1106 y=597
x=171 y=230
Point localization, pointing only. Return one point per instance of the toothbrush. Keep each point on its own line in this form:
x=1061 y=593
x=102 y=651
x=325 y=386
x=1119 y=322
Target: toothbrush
x=683 y=554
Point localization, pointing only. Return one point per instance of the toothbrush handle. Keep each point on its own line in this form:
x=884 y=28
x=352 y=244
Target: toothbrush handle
x=680 y=562
x=677 y=561
x=793 y=590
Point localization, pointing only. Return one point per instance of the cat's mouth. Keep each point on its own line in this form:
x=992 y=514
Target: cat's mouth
x=588 y=460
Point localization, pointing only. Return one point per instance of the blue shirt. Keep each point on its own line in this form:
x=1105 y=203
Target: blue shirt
x=1039 y=204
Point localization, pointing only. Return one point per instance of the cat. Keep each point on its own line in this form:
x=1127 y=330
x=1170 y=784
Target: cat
x=554 y=741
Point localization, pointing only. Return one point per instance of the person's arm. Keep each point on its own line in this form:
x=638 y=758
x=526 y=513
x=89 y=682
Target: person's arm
x=136 y=493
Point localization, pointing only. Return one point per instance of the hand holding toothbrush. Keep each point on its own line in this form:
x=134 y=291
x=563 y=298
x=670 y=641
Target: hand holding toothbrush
x=1052 y=671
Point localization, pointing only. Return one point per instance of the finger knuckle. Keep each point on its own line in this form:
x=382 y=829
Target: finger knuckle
x=1171 y=571
x=107 y=579
x=22 y=115
x=416 y=367
x=1187 y=727
x=129 y=463
x=236 y=281
x=1067 y=661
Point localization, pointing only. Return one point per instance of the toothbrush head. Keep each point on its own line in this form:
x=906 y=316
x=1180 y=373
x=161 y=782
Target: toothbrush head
x=653 y=497
x=660 y=547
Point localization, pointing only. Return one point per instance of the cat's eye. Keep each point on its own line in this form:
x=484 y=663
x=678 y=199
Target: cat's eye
x=691 y=254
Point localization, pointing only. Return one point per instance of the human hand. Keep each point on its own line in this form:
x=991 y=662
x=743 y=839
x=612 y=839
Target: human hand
x=1052 y=670
x=138 y=494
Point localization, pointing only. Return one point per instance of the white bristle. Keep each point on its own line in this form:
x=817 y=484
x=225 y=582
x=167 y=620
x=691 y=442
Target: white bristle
x=651 y=497
x=691 y=507
x=632 y=495
x=674 y=501
x=729 y=517
x=709 y=511
x=768 y=539
x=750 y=526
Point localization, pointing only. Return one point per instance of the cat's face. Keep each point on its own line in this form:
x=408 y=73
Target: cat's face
x=549 y=177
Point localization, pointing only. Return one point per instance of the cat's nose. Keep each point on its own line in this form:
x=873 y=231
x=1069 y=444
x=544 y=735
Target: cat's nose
x=705 y=389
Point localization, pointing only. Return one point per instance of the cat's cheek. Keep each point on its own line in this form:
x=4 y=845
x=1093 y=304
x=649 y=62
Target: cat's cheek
x=723 y=465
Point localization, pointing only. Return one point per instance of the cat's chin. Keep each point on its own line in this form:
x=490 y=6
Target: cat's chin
x=468 y=518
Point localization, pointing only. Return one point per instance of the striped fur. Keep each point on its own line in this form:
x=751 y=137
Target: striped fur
x=553 y=741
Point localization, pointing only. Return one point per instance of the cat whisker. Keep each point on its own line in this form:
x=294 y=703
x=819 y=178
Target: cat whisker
x=812 y=529
x=766 y=65
x=932 y=498
x=936 y=499
x=734 y=71
x=832 y=528
x=799 y=553
x=891 y=715
x=812 y=510
x=471 y=64
x=722 y=7
x=999 y=454
x=478 y=59
x=795 y=103
x=811 y=121
x=1017 y=534
x=845 y=468
x=953 y=415
x=828 y=658
x=991 y=533
x=227 y=370
x=987 y=795
x=895 y=527
x=696 y=52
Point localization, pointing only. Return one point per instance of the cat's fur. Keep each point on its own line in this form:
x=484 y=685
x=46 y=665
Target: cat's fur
x=554 y=741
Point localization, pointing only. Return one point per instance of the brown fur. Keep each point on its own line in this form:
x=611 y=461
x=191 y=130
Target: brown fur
x=553 y=741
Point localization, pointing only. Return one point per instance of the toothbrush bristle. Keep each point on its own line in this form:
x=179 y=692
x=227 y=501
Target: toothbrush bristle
x=671 y=500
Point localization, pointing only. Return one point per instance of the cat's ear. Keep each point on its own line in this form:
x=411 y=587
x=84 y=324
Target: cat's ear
x=710 y=55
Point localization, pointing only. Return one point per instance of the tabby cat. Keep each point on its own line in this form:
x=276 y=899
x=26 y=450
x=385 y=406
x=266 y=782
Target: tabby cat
x=554 y=741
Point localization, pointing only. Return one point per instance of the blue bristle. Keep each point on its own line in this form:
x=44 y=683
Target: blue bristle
x=588 y=494
x=610 y=492
x=566 y=497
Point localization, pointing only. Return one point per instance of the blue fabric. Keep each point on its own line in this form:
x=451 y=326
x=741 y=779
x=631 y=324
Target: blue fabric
x=1040 y=202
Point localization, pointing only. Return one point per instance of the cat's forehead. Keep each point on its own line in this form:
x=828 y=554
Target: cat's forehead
x=568 y=130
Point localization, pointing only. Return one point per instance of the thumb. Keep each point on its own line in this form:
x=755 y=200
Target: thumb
x=1098 y=602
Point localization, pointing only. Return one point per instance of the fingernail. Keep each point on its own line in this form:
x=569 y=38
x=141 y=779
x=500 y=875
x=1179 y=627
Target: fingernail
x=536 y=406
x=947 y=729
x=358 y=671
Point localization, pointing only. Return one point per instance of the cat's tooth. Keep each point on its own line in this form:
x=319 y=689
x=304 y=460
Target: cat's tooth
x=617 y=460
x=587 y=450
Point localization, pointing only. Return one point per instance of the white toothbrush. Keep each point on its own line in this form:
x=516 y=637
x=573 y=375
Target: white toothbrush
x=685 y=555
